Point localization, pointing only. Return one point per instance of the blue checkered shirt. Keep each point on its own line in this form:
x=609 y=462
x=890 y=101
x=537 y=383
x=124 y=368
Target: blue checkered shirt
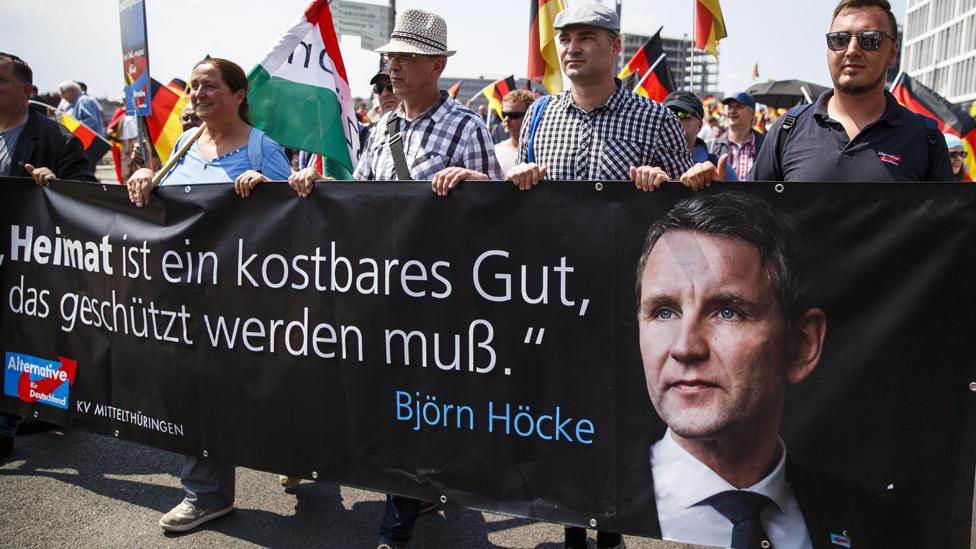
x=445 y=135
x=602 y=145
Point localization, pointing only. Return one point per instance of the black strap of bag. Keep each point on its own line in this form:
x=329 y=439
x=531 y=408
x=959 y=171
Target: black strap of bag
x=396 y=149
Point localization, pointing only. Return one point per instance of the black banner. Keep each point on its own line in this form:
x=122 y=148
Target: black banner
x=486 y=348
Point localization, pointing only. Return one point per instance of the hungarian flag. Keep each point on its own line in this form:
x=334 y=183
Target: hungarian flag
x=497 y=91
x=299 y=93
x=164 y=123
x=543 y=57
x=641 y=62
x=952 y=119
x=95 y=145
x=657 y=83
x=453 y=90
x=709 y=25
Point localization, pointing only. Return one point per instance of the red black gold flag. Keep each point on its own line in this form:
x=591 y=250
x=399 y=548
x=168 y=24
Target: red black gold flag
x=164 y=124
x=543 y=64
x=95 y=145
x=952 y=119
x=497 y=91
x=657 y=82
x=453 y=90
x=641 y=62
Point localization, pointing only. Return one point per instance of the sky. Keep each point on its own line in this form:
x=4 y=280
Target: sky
x=80 y=39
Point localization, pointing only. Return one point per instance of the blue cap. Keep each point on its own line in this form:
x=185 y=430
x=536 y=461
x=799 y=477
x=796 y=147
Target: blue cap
x=742 y=98
x=953 y=142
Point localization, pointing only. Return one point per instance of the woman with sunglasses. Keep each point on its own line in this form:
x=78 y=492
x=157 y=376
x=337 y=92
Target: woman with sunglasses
x=514 y=105
x=957 y=156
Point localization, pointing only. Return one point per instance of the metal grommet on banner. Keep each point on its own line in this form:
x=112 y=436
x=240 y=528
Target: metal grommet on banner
x=443 y=498
x=186 y=189
x=779 y=187
x=205 y=454
x=116 y=432
x=35 y=413
x=104 y=188
x=764 y=544
x=598 y=186
x=592 y=523
x=315 y=475
x=972 y=387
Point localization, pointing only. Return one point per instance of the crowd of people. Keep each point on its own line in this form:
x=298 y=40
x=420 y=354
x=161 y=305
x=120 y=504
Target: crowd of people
x=595 y=130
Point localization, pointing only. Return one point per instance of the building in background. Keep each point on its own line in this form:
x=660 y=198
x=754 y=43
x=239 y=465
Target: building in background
x=679 y=53
x=939 y=47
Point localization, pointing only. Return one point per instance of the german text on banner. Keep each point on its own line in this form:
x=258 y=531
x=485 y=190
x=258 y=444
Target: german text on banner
x=567 y=354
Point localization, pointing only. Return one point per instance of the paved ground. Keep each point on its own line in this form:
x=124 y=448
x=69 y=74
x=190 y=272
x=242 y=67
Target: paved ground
x=80 y=489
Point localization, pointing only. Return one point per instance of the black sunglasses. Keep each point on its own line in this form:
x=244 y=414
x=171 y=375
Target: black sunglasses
x=514 y=115
x=378 y=88
x=958 y=154
x=867 y=40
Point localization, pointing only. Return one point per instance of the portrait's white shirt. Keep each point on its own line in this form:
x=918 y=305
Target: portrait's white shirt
x=681 y=482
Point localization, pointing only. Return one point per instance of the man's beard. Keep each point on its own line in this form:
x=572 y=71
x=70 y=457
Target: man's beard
x=852 y=89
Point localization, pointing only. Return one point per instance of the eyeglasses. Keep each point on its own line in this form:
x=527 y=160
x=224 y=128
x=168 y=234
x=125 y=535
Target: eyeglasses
x=958 y=154
x=379 y=88
x=682 y=114
x=514 y=115
x=400 y=58
x=867 y=40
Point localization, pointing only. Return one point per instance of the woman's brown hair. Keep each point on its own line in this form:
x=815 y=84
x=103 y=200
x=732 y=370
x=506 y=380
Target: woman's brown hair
x=232 y=75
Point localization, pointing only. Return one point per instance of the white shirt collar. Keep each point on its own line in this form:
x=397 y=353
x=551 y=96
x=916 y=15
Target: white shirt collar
x=690 y=481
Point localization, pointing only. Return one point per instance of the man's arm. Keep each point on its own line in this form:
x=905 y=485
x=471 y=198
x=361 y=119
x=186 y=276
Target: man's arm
x=478 y=159
x=670 y=147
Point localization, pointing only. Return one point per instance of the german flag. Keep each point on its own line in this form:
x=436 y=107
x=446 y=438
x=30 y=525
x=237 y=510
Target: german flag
x=164 y=123
x=543 y=58
x=497 y=91
x=641 y=62
x=95 y=145
x=952 y=119
x=709 y=25
x=453 y=90
x=657 y=82
x=179 y=85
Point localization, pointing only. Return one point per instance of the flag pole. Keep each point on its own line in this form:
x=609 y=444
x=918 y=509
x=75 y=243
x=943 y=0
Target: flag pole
x=694 y=30
x=896 y=80
x=650 y=71
x=176 y=157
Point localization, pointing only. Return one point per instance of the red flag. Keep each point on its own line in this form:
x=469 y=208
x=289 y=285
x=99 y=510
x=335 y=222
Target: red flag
x=755 y=71
x=952 y=119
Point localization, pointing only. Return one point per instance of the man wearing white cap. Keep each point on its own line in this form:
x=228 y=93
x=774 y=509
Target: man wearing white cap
x=597 y=130
x=429 y=136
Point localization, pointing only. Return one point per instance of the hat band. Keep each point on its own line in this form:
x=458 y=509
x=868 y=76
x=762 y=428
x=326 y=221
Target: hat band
x=420 y=39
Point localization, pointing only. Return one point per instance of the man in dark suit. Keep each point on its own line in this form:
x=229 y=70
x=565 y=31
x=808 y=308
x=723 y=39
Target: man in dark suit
x=725 y=326
x=31 y=144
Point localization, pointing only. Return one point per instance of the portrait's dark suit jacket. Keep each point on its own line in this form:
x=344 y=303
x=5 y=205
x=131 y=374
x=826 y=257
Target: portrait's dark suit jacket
x=45 y=143
x=833 y=506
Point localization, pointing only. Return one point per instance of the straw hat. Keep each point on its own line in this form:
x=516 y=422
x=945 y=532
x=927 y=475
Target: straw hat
x=420 y=32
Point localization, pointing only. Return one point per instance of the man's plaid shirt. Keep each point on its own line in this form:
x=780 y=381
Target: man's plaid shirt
x=626 y=130
x=445 y=135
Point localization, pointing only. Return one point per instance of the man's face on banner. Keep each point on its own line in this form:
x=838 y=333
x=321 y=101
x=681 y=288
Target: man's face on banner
x=712 y=336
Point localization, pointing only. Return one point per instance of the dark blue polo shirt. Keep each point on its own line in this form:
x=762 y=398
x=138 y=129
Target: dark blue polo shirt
x=895 y=147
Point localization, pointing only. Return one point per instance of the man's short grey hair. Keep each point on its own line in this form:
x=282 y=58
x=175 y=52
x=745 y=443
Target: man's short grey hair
x=69 y=85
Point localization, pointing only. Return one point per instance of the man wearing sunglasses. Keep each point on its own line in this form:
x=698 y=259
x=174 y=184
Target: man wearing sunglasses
x=689 y=110
x=857 y=131
x=514 y=105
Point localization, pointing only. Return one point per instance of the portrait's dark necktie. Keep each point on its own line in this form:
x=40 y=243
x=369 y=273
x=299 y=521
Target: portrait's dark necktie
x=743 y=510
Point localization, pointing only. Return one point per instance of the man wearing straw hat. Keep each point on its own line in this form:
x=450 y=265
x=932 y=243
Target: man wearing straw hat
x=429 y=136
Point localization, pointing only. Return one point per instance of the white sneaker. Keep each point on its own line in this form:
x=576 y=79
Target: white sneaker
x=185 y=517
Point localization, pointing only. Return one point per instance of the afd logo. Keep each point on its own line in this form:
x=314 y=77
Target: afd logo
x=34 y=379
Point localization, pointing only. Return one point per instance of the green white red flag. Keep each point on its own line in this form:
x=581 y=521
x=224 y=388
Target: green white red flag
x=299 y=94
